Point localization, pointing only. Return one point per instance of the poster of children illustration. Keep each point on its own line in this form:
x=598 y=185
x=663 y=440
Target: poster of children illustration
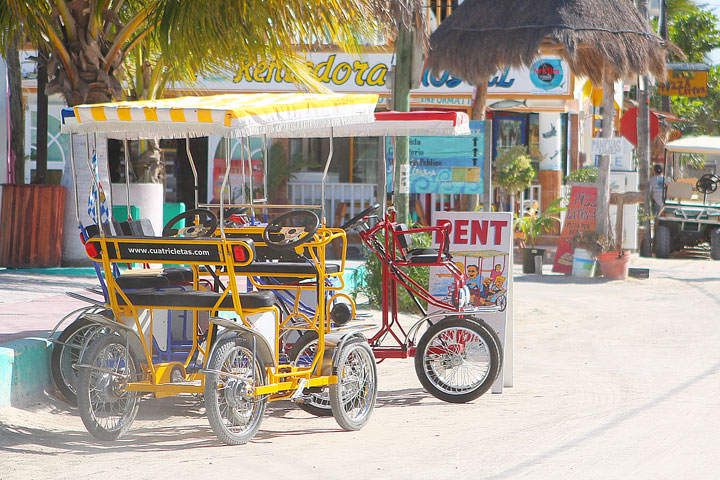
x=480 y=245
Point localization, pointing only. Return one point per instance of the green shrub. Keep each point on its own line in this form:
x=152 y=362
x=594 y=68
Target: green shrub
x=367 y=279
x=583 y=175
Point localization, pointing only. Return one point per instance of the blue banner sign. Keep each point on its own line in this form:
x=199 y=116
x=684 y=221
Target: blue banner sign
x=452 y=165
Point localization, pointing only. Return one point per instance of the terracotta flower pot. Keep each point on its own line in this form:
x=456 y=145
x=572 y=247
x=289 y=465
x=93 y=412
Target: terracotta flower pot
x=615 y=265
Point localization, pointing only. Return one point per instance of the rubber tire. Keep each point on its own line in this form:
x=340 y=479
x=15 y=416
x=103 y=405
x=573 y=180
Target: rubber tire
x=715 y=244
x=85 y=377
x=322 y=409
x=355 y=346
x=493 y=347
x=66 y=381
x=646 y=246
x=662 y=241
x=212 y=394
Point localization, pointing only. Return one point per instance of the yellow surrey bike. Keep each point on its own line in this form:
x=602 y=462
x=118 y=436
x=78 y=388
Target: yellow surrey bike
x=237 y=363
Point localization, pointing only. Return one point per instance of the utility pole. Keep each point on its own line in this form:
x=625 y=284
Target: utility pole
x=643 y=135
x=401 y=103
x=41 y=151
x=663 y=27
x=602 y=217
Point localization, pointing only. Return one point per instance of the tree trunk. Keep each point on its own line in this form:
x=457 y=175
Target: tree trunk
x=17 y=113
x=41 y=157
x=603 y=194
x=643 y=130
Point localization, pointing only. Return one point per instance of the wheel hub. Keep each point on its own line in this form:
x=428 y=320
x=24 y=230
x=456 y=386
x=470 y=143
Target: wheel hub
x=237 y=392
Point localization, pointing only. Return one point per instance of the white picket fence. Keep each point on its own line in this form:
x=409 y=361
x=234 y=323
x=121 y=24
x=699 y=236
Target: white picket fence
x=358 y=196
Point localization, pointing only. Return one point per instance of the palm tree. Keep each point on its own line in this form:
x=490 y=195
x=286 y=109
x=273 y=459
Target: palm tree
x=88 y=40
x=92 y=45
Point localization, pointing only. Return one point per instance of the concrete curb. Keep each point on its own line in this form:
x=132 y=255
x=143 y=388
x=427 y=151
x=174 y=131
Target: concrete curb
x=24 y=370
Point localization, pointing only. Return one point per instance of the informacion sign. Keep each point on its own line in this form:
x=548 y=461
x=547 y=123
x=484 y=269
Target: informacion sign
x=451 y=165
x=580 y=217
x=480 y=245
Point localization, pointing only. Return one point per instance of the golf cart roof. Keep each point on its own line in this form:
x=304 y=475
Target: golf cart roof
x=232 y=115
x=701 y=144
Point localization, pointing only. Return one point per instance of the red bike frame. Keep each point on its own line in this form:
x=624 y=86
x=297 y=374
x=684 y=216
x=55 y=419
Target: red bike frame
x=386 y=240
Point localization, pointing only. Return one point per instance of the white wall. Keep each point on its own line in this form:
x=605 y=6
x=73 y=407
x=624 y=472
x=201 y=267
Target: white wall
x=4 y=124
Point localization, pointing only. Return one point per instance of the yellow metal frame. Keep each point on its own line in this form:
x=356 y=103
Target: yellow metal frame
x=282 y=380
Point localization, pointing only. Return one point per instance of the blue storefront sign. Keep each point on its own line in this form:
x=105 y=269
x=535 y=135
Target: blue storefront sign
x=452 y=165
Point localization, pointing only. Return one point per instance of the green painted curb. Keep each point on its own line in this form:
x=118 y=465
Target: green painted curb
x=24 y=370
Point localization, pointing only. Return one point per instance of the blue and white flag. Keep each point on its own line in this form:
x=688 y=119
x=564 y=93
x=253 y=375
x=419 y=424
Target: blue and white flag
x=93 y=198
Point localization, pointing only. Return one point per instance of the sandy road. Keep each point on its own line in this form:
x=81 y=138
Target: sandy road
x=612 y=380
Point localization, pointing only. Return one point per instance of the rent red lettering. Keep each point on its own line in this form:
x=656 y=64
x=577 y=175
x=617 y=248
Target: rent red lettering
x=461 y=231
x=478 y=232
x=498 y=225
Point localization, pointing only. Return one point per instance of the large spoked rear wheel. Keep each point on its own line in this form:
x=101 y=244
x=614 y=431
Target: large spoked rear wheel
x=303 y=353
x=352 y=398
x=233 y=411
x=66 y=354
x=107 y=409
x=457 y=359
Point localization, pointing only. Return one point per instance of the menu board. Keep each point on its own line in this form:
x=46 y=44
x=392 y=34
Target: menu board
x=580 y=217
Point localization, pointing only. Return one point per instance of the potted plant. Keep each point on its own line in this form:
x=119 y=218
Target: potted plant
x=532 y=226
x=587 y=246
x=615 y=263
x=514 y=171
x=582 y=175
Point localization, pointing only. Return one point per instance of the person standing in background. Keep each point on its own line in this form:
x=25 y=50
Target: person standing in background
x=658 y=182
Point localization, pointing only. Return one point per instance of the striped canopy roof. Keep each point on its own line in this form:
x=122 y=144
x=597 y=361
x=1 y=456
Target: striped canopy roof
x=396 y=124
x=233 y=115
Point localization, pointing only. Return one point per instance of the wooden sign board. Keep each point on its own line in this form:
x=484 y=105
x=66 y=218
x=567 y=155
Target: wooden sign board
x=684 y=83
x=580 y=217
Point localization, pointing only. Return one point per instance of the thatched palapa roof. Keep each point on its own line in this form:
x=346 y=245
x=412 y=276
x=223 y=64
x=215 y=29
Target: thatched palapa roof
x=594 y=36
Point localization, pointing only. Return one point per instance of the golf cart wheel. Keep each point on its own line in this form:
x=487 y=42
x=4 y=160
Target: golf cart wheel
x=715 y=244
x=303 y=354
x=352 y=398
x=646 y=246
x=457 y=359
x=662 y=241
x=66 y=354
x=233 y=411
x=107 y=409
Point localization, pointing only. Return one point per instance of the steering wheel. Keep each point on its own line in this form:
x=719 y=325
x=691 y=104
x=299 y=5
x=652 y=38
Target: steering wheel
x=207 y=226
x=350 y=224
x=708 y=183
x=291 y=229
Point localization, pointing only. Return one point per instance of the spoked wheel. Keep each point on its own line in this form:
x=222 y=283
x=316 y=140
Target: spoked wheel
x=457 y=359
x=107 y=409
x=303 y=353
x=66 y=355
x=501 y=302
x=352 y=399
x=233 y=411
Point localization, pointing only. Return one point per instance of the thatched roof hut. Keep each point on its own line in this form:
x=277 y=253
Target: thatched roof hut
x=596 y=37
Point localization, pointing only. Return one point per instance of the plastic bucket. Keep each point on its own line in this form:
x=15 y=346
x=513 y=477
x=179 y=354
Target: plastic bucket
x=615 y=265
x=583 y=264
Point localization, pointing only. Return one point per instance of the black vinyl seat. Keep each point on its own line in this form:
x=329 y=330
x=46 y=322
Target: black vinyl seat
x=418 y=256
x=196 y=299
x=299 y=268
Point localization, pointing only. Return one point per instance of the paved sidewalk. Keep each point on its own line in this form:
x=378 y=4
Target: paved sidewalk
x=31 y=304
x=613 y=380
